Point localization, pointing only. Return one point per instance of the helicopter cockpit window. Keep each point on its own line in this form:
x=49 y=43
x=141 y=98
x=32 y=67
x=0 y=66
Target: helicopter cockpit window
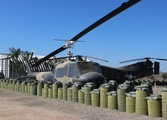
x=72 y=71
x=85 y=67
x=96 y=67
x=60 y=72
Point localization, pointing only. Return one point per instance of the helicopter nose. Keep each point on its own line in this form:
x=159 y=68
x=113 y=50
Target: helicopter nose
x=95 y=77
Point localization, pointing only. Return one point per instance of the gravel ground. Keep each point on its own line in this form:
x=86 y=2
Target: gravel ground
x=15 y=105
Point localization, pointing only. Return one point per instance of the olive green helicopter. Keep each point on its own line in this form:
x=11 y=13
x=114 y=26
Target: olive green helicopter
x=78 y=68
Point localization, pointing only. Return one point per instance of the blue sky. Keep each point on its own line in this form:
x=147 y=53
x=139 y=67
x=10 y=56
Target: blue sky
x=140 y=31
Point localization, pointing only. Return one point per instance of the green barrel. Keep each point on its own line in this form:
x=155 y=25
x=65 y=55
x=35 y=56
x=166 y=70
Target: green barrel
x=49 y=92
x=10 y=84
x=39 y=89
x=69 y=94
x=154 y=106
x=28 y=87
x=0 y=82
x=13 y=84
x=60 y=93
x=121 y=94
x=20 y=87
x=141 y=102
x=130 y=102
x=121 y=97
x=66 y=85
x=23 y=86
x=75 y=87
x=88 y=87
x=3 y=82
x=81 y=96
x=112 y=100
x=33 y=88
x=42 y=92
x=45 y=91
x=17 y=86
x=95 y=98
x=164 y=103
x=5 y=85
x=55 y=87
x=104 y=89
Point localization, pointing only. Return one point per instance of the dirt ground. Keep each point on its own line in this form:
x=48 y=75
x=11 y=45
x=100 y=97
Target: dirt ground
x=20 y=106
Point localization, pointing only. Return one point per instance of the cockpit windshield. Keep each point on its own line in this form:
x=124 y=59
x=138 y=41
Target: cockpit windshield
x=85 y=67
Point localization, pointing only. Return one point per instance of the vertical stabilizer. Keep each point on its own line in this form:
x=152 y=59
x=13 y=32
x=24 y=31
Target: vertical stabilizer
x=156 y=68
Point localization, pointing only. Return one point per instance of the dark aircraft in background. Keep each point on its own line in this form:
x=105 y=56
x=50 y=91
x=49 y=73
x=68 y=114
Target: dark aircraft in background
x=133 y=71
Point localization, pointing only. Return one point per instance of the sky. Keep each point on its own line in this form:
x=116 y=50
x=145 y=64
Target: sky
x=138 y=32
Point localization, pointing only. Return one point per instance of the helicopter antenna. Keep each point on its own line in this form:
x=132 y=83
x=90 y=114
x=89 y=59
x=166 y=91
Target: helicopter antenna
x=69 y=45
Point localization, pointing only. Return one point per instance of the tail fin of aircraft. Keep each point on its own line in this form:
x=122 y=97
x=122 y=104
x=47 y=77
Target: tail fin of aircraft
x=156 y=68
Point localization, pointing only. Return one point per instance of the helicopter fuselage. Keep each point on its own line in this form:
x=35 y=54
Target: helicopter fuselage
x=79 y=71
x=129 y=72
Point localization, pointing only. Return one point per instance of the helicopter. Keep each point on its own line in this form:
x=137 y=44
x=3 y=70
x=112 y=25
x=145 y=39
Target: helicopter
x=77 y=69
x=132 y=71
x=70 y=69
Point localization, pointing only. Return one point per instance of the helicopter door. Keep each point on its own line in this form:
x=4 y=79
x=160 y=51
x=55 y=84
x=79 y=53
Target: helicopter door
x=72 y=73
x=60 y=74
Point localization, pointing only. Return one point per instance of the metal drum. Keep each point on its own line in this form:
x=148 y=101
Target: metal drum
x=154 y=106
x=95 y=98
x=164 y=103
x=55 y=87
x=60 y=93
x=141 y=102
x=45 y=91
x=104 y=89
x=66 y=85
x=39 y=89
x=112 y=100
x=34 y=88
x=28 y=86
x=81 y=96
x=130 y=102
x=49 y=92
x=75 y=87
x=88 y=87
x=69 y=94
x=23 y=86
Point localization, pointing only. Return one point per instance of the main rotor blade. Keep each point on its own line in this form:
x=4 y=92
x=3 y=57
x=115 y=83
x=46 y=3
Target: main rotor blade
x=118 y=10
x=161 y=59
x=146 y=58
